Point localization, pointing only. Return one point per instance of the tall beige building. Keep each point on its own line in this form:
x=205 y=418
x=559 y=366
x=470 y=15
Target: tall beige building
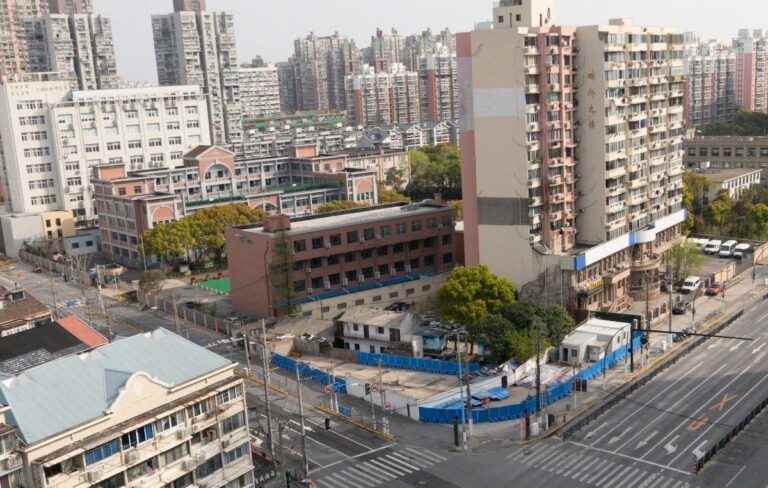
x=577 y=202
x=386 y=50
x=198 y=48
x=70 y=7
x=438 y=86
x=13 y=53
x=188 y=5
x=383 y=98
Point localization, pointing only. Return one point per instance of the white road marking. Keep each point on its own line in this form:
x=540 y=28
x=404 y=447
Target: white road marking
x=654 y=397
x=346 y=483
x=671 y=447
x=328 y=483
x=613 y=475
x=735 y=476
x=369 y=474
x=757 y=349
x=600 y=472
x=419 y=462
x=388 y=469
x=633 y=479
x=428 y=455
x=349 y=473
x=649 y=480
x=582 y=468
x=722 y=416
x=571 y=462
x=713 y=345
x=631 y=458
x=595 y=430
x=695 y=413
x=698 y=452
x=379 y=472
x=645 y=441
x=736 y=346
x=341 y=435
x=679 y=400
x=351 y=457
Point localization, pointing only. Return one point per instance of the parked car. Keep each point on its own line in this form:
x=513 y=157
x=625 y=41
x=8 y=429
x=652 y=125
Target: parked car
x=727 y=248
x=713 y=247
x=691 y=284
x=714 y=290
x=681 y=307
x=699 y=242
x=741 y=251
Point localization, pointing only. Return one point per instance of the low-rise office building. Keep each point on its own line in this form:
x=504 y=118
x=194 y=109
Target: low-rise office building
x=150 y=410
x=727 y=152
x=283 y=264
x=733 y=181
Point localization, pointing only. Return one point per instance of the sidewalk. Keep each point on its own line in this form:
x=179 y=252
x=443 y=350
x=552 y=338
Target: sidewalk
x=709 y=310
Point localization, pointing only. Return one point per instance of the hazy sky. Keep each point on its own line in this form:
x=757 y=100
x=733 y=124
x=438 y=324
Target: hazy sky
x=268 y=27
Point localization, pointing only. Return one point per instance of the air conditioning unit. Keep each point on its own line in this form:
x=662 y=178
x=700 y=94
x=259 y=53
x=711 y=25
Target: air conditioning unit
x=225 y=443
x=93 y=476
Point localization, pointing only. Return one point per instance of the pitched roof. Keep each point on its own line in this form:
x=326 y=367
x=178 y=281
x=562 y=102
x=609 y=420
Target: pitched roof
x=201 y=150
x=82 y=331
x=29 y=348
x=16 y=312
x=58 y=395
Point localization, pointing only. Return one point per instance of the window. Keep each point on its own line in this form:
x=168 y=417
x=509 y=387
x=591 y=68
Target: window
x=366 y=254
x=153 y=127
x=299 y=246
x=316 y=263
x=386 y=231
x=101 y=452
x=382 y=251
x=155 y=142
x=236 y=453
x=447 y=239
x=198 y=408
x=91 y=148
x=233 y=423
x=191 y=110
x=384 y=269
x=447 y=258
x=400 y=229
x=413 y=245
x=229 y=395
x=135 y=437
x=394 y=294
x=341 y=306
x=174 y=141
x=209 y=467
x=134 y=144
x=369 y=234
x=350 y=257
x=399 y=266
x=113 y=146
x=193 y=124
x=173 y=125
x=352 y=236
x=299 y=286
x=173 y=455
x=336 y=240
x=138 y=189
x=416 y=226
x=351 y=276
x=398 y=248
x=334 y=260
x=317 y=243
x=317 y=283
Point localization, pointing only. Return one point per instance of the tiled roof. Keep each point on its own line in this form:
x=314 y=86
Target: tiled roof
x=84 y=333
x=56 y=396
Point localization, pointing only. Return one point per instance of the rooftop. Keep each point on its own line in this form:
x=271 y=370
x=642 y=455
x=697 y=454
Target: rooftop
x=84 y=386
x=720 y=175
x=44 y=343
x=19 y=307
x=335 y=220
x=374 y=317
x=134 y=93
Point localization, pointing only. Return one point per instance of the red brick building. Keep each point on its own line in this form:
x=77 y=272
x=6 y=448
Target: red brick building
x=334 y=254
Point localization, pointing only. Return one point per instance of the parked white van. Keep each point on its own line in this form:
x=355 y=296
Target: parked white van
x=699 y=242
x=741 y=251
x=691 y=284
x=713 y=247
x=726 y=248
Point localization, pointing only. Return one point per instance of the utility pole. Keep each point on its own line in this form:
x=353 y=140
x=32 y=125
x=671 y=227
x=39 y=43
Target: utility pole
x=461 y=397
x=305 y=460
x=469 y=399
x=669 y=306
x=384 y=425
x=538 y=365
x=53 y=297
x=265 y=367
x=176 y=315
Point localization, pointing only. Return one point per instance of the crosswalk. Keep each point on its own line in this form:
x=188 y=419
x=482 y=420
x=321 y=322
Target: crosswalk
x=383 y=468
x=593 y=468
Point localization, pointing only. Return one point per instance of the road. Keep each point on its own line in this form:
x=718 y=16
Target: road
x=672 y=420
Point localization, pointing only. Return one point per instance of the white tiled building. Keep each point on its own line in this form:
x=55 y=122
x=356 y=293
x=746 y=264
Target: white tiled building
x=52 y=137
x=259 y=92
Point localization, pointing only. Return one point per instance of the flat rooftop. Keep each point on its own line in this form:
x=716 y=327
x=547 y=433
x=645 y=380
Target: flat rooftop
x=720 y=175
x=316 y=223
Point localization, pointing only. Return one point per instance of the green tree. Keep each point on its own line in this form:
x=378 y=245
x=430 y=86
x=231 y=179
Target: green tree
x=435 y=170
x=470 y=294
x=554 y=320
x=685 y=259
x=718 y=213
x=458 y=209
x=395 y=178
x=498 y=334
x=391 y=196
x=207 y=227
x=524 y=344
x=558 y=324
x=338 y=206
x=745 y=123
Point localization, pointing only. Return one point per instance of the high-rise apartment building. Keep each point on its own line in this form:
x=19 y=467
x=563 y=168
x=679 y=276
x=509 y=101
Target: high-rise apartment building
x=78 y=46
x=383 y=98
x=198 y=48
x=541 y=176
x=71 y=7
x=386 y=50
x=438 y=86
x=710 y=94
x=259 y=92
x=322 y=65
x=286 y=76
x=150 y=410
x=426 y=43
x=751 y=71
x=53 y=138
x=13 y=52
x=188 y=5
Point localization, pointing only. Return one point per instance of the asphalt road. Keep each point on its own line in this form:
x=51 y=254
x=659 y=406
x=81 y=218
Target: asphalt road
x=672 y=420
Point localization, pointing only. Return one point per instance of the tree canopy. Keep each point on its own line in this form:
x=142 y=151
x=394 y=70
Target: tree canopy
x=338 y=206
x=199 y=235
x=744 y=123
x=435 y=170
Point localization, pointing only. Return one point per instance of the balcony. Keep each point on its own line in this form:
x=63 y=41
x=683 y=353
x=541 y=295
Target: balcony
x=616 y=172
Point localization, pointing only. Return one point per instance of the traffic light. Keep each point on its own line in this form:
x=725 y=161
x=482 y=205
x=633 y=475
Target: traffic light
x=367 y=388
x=327 y=423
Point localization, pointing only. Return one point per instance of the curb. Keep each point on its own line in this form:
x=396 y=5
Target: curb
x=357 y=424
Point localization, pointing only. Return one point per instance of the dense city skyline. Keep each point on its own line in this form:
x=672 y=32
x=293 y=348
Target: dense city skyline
x=133 y=34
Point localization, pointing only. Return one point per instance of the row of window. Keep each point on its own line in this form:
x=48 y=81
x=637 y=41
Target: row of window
x=369 y=234
x=369 y=272
x=715 y=152
x=353 y=256
x=374 y=300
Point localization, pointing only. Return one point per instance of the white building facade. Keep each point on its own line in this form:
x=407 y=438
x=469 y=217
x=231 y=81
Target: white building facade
x=259 y=92
x=53 y=137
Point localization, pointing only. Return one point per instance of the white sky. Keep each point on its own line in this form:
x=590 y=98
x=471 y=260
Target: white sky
x=268 y=27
